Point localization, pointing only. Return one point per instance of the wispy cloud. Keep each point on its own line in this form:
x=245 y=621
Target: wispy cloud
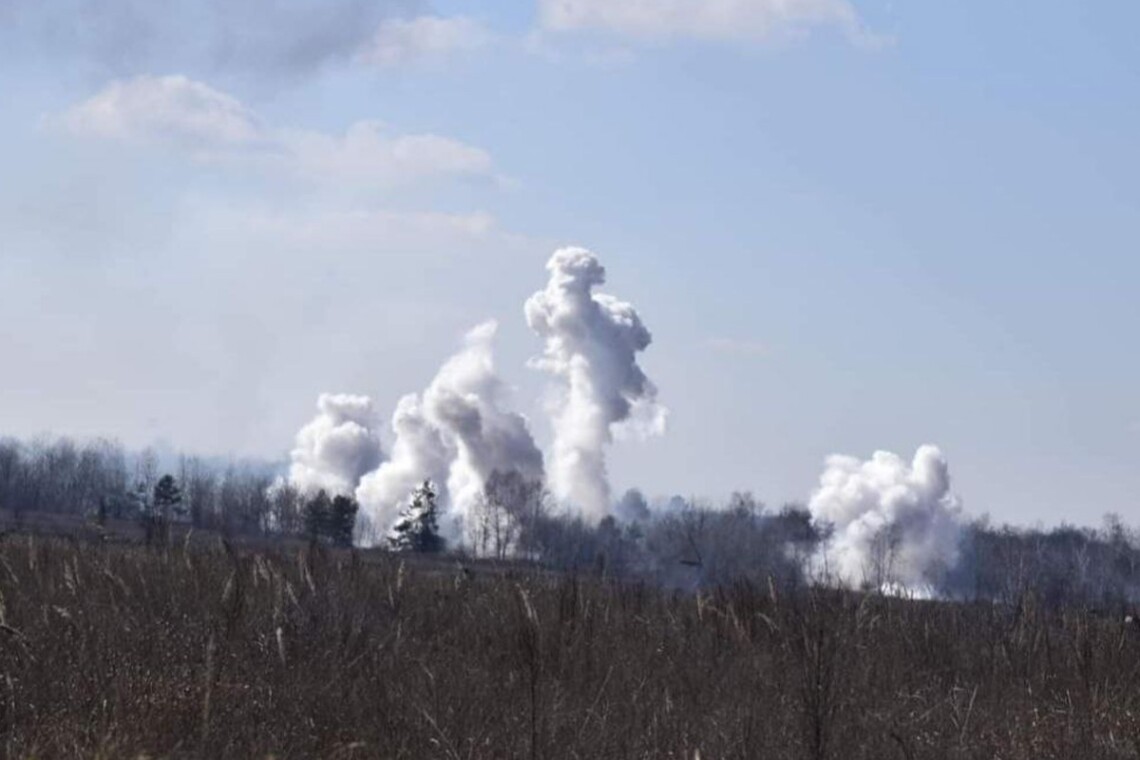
x=423 y=38
x=726 y=20
x=209 y=125
x=172 y=109
x=272 y=39
x=368 y=150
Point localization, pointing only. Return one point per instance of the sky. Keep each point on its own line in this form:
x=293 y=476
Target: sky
x=850 y=225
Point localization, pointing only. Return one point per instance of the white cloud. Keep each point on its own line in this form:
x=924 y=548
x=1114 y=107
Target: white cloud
x=401 y=41
x=169 y=109
x=272 y=39
x=367 y=152
x=209 y=125
x=698 y=19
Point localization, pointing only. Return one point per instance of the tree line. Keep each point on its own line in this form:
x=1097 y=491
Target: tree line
x=682 y=543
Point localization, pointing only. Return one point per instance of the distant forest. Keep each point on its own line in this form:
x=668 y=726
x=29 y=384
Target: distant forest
x=684 y=543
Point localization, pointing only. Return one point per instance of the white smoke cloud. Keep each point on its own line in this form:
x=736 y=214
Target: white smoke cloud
x=337 y=447
x=465 y=401
x=419 y=453
x=456 y=433
x=592 y=342
x=896 y=524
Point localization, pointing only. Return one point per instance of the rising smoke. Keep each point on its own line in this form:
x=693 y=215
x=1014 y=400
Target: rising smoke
x=456 y=433
x=895 y=525
x=419 y=453
x=592 y=342
x=888 y=523
x=335 y=449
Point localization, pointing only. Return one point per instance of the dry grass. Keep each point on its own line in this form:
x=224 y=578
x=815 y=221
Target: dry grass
x=114 y=651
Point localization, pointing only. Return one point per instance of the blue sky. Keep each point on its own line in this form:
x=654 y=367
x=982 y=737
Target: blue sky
x=850 y=226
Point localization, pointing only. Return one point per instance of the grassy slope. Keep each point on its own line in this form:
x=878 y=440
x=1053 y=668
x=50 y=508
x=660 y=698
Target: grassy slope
x=119 y=650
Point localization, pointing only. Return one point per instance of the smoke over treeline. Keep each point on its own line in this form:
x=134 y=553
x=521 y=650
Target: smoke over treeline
x=454 y=434
x=459 y=432
x=455 y=466
x=459 y=437
x=677 y=542
x=591 y=346
x=891 y=522
x=338 y=447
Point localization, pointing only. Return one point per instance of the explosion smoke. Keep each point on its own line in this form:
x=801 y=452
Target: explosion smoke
x=337 y=447
x=465 y=401
x=895 y=525
x=419 y=454
x=592 y=342
x=455 y=434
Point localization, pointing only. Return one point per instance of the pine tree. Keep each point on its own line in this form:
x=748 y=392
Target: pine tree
x=318 y=510
x=342 y=519
x=167 y=497
x=155 y=511
x=417 y=528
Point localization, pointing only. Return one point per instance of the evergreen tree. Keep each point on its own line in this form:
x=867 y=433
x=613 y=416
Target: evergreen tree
x=342 y=519
x=167 y=498
x=417 y=528
x=155 y=507
x=318 y=511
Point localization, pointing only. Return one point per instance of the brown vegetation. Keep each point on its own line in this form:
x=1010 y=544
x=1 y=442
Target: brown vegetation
x=117 y=651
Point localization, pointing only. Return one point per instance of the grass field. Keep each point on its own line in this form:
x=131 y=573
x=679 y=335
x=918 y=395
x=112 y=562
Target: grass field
x=122 y=651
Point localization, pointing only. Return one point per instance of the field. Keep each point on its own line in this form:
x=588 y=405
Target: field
x=216 y=651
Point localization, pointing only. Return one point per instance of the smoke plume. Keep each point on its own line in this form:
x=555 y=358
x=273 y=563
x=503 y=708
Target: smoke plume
x=896 y=525
x=335 y=449
x=418 y=454
x=456 y=433
x=592 y=342
x=465 y=400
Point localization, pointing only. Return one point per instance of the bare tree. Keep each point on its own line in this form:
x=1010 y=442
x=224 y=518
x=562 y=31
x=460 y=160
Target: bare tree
x=506 y=516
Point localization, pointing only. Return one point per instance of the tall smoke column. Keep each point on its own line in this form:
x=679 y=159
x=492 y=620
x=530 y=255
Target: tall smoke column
x=455 y=434
x=592 y=342
x=896 y=524
x=465 y=400
x=337 y=447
